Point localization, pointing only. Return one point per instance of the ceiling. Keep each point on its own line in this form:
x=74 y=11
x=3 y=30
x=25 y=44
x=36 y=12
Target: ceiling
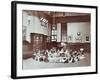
x=60 y=17
x=61 y=14
x=56 y=14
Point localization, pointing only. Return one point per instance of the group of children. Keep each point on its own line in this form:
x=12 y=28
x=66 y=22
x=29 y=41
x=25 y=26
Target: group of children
x=59 y=56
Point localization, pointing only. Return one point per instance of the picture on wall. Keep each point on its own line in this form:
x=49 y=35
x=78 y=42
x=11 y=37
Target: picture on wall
x=53 y=39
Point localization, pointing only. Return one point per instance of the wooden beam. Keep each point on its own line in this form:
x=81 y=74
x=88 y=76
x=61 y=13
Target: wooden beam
x=84 y=18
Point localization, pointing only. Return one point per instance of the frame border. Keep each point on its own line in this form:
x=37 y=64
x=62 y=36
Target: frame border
x=14 y=39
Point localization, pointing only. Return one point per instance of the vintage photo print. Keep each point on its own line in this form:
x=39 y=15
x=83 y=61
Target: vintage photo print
x=53 y=39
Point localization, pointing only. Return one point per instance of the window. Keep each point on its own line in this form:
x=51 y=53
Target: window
x=54 y=33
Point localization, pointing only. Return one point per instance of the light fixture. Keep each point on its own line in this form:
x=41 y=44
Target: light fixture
x=29 y=20
x=78 y=33
x=41 y=18
x=44 y=20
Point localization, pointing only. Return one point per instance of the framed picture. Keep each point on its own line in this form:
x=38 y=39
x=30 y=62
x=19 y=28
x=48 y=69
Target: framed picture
x=33 y=56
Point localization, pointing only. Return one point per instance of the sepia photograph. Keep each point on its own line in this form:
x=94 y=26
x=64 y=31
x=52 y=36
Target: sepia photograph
x=56 y=39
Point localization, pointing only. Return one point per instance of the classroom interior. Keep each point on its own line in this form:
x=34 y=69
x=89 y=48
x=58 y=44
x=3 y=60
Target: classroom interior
x=54 y=39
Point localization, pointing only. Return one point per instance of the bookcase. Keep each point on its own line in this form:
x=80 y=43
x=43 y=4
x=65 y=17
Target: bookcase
x=38 y=41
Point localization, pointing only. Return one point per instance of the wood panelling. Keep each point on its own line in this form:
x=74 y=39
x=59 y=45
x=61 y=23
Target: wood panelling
x=38 y=41
x=66 y=19
x=77 y=46
x=63 y=32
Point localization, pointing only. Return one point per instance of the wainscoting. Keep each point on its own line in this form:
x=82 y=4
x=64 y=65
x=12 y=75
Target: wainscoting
x=41 y=44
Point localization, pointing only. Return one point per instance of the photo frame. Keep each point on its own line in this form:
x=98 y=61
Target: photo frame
x=28 y=36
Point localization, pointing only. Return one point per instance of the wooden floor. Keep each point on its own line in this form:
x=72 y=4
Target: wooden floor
x=32 y=64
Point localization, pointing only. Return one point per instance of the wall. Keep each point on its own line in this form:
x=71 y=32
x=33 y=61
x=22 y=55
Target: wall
x=72 y=29
x=82 y=27
x=34 y=26
x=58 y=32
